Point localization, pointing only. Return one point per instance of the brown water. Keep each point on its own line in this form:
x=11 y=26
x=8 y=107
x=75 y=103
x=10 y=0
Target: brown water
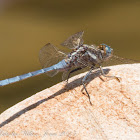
x=27 y=26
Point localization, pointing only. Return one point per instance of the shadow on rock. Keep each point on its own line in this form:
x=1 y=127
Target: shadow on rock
x=70 y=86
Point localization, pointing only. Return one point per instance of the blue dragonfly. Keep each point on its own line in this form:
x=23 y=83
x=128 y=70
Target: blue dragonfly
x=81 y=56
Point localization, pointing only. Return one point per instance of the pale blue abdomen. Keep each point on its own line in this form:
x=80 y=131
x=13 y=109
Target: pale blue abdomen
x=61 y=66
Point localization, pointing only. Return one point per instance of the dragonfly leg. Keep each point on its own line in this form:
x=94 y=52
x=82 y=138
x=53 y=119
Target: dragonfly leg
x=113 y=77
x=83 y=82
x=72 y=72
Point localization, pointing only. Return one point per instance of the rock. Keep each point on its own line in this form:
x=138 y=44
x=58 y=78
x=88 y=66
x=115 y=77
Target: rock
x=64 y=112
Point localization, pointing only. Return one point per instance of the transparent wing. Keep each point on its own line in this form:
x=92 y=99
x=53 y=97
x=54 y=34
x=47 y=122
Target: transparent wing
x=50 y=55
x=116 y=60
x=67 y=74
x=74 y=40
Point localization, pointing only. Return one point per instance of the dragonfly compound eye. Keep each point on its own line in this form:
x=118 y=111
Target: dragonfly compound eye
x=108 y=49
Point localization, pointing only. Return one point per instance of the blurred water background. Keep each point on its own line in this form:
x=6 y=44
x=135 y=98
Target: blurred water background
x=27 y=25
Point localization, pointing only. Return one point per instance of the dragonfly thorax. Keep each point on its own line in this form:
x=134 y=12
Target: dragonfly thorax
x=77 y=53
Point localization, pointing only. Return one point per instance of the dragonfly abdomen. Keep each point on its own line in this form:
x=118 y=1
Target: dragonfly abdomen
x=21 y=77
x=59 y=66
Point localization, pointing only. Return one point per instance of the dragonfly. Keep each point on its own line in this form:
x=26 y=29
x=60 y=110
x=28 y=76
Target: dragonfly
x=81 y=56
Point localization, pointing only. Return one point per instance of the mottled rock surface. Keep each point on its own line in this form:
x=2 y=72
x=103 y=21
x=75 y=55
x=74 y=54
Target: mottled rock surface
x=63 y=112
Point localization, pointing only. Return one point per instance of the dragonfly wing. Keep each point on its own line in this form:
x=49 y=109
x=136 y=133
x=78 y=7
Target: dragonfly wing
x=73 y=71
x=65 y=75
x=50 y=55
x=116 y=60
x=74 y=40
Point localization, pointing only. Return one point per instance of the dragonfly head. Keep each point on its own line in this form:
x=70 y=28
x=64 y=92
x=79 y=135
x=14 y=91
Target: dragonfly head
x=106 y=51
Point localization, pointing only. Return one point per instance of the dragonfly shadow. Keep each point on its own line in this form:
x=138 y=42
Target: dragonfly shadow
x=70 y=86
